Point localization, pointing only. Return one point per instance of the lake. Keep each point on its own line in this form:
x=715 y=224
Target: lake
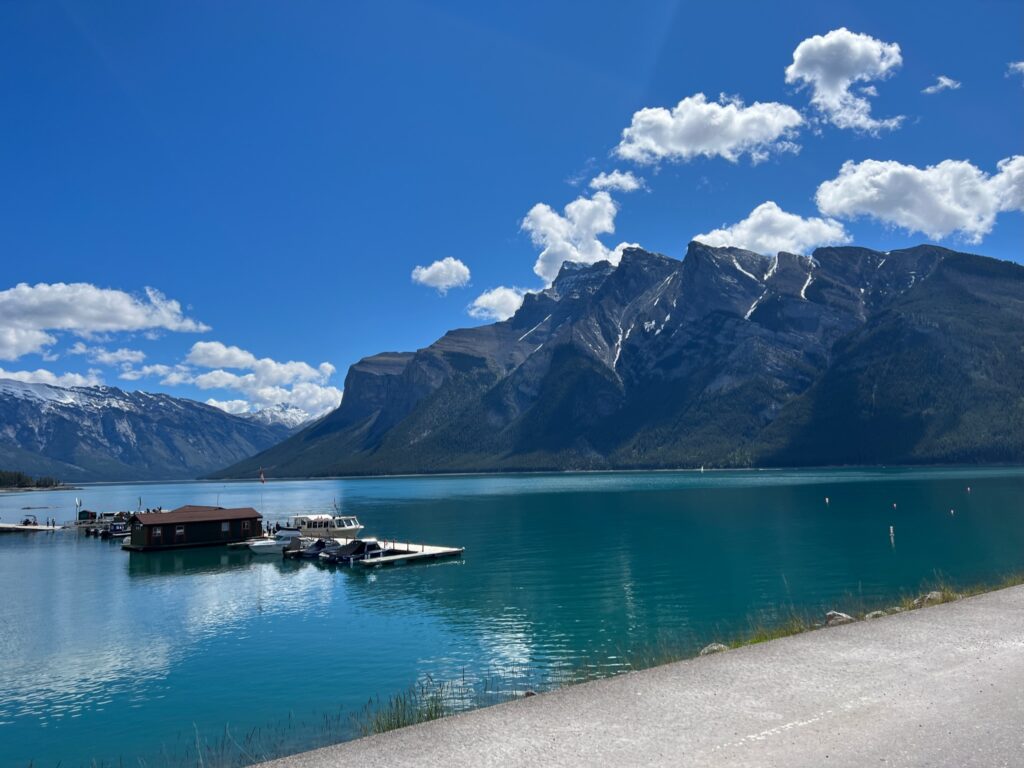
x=125 y=657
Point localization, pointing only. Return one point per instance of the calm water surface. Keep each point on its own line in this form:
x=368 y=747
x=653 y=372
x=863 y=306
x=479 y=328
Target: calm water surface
x=113 y=656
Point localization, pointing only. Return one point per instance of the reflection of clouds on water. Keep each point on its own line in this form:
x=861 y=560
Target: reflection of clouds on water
x=264 y=587
x=68 y=685
x=80 y=665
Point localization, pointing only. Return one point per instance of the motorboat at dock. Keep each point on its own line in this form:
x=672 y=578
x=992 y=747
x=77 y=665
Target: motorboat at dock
x=271 y=545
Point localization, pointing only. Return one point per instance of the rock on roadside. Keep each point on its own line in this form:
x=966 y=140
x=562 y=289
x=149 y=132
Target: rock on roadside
x=707 y=650
x=932 y=598
x=835 y=618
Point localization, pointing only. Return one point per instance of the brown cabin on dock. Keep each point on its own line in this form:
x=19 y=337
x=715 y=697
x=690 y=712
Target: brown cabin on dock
x=192 y=526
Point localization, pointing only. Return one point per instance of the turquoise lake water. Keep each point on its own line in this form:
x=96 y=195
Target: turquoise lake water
x=119 y=657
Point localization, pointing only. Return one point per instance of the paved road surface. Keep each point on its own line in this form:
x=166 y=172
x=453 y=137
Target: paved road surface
x=941 y=686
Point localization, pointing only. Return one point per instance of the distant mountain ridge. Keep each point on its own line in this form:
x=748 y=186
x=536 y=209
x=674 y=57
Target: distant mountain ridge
x=726 y=358
x=83 y=434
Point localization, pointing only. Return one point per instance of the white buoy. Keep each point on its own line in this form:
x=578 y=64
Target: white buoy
x=826 y=499
x=952 y=512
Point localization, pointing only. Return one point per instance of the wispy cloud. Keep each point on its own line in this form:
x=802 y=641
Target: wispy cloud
x=31 y=314
x=943 y=83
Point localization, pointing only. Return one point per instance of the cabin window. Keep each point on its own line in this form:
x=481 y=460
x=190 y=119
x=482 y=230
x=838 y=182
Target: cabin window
x=179 y=533
x=245 y=525
x=158 y=532
x=225 y=527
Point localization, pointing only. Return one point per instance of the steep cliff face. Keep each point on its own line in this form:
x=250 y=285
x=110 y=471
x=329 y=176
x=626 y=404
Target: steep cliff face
x=85 y=434
x=726 y=358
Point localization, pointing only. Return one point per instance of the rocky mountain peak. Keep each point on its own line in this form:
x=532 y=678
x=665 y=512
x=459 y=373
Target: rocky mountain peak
x=728 y=357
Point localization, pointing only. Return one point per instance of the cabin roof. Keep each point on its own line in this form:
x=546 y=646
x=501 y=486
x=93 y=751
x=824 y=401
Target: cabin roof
x=192 y=513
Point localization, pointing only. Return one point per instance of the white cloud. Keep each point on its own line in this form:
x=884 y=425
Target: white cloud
x=497 y=304
x=696 y=127
x=622 y=181
x=952 y=196
x=830 y=64
x=15 y=342
x=769 y=229
x=106 y=356
x=213 y=354
x=41 y=376
x=30 y=313
x=236 y=407
x=943 y=83
x=134 y=374
x=266 y=382
x=1015 y=68
x=572 y=237
x=442 y=275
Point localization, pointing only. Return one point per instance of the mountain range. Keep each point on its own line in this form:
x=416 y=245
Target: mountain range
x=726 y=358
x=84 y=434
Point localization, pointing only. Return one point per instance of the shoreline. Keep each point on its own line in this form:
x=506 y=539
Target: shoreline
x=877 y=690
x=562 y=473
x=33 y=489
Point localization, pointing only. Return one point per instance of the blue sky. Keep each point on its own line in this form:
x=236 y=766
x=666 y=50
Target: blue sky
x=279 y=169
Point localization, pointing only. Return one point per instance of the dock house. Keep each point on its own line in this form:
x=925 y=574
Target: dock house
x=192 y=526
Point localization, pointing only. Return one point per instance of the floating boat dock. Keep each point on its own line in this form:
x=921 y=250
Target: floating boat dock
x=391 y=552
x=397 y=552
x=17 y=527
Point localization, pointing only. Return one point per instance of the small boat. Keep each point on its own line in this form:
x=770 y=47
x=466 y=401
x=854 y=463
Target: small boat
x=274 y=546
x=323 y=526
x=116 y=530
x=358 y=549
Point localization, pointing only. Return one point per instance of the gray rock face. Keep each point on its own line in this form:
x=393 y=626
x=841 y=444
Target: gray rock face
x=726 y=358
x=707 y=650
x=875 y=615
x=85 y=434
x=835 y=618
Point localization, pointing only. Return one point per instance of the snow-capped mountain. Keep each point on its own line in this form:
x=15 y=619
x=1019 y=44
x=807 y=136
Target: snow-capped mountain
x=283 y=414
x=104 y=433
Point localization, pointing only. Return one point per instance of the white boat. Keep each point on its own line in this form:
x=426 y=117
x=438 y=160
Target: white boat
x=323 y=526
x=274 y=546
